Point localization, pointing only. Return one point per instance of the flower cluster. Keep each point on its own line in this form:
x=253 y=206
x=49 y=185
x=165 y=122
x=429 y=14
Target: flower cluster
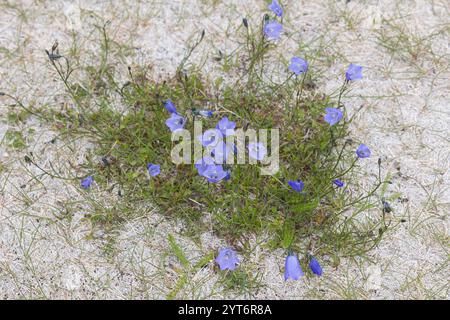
x=293 y=270
x=211 y=165
x=227 y=258
x=272 y=28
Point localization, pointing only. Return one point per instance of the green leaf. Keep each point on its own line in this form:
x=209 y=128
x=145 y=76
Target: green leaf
x=288 y=234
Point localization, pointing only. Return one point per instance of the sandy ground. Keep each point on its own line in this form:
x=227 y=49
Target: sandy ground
x=46 y=247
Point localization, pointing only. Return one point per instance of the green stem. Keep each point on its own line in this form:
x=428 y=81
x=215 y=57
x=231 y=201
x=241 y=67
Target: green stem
x=299 y=92
x=341 y=92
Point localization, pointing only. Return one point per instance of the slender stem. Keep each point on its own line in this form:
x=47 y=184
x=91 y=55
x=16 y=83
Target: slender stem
x=339 y=157
x=190 y=51
x=341 y=92
x=23 y=106
x=65 y=78
x=346 y=171
x=299 y=92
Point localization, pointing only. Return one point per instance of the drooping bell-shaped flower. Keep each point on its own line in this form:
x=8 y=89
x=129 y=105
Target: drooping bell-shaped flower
x=292 y=268
x=315 y=266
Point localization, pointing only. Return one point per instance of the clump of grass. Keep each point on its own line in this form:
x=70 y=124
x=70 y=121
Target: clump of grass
x=409 y=45
x=323 y=219
x=15 y=139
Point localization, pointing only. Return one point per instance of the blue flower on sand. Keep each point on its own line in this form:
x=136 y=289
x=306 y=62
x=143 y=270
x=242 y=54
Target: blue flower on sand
x=272 y=30
x=168 y=104
x=333 y=116
x=276 y=8
x=338 y=183
x=354 y=72
x=153 y=169
x=226 y=126
x=257 y=150
x=214 y=173
x=86 y=182
x=175 y=122
x=363 y=151
x=298 y=65
x=315 y=266
x=210 y=137
x=227 y=259
x=292 y=268
x=297 y=185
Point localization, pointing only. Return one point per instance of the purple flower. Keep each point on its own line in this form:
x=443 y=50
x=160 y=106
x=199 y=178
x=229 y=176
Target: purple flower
x=333 y=116
x=202 y=164
x=338 y=183
x=226 y=127
x=298 y=65
x=227 y=259
x=206 y=113
x=214 y=173
x=257 y=150
x=292 y=268
x=354 y=72
x=175 y=122
x=315 y=266
x=275 y=7
x=153 y=169
x=363 y=151
x=210 y=137
x=297 y=185
x=272 y=30
x=86 y=183
x=168 y=104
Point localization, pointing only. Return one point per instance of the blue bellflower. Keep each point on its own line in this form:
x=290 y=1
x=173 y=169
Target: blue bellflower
x=298 y=65
x=175 y=122
x=168 y=104
x=272 y=30
x=354 y=72
x=214 y=173
x=226 y=127
x=338 y=183
x=297 y=185
x=315 y=266
x=86 y=183
x=153 y=169
x=276 y=8
x=292 y=268
x=333 y=116
x=363 y=151
x=202 y=164
x=227 y=259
